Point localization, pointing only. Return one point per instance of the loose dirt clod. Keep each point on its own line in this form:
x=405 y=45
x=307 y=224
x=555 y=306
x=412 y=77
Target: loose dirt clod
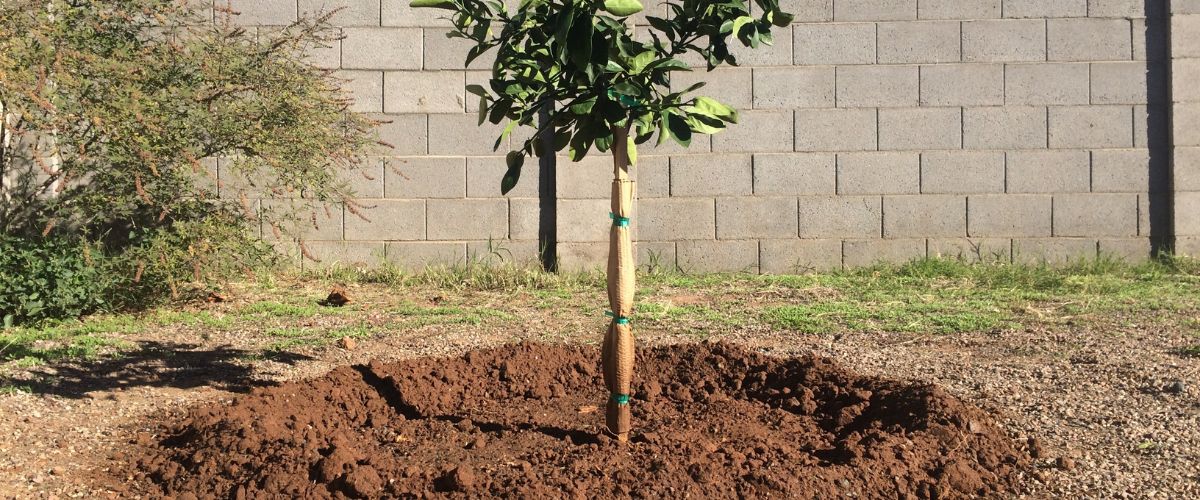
x=337 y=298
x=728 y=422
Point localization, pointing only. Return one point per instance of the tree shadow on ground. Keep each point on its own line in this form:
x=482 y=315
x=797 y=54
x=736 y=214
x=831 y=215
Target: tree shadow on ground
x=155 y=364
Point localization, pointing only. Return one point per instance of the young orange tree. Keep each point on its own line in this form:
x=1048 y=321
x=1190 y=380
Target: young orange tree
x=604 y=87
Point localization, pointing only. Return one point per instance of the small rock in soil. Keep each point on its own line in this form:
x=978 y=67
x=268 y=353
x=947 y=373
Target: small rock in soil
x=1036 y=449
x=461 y=478
x=1065 y=463
x=364 y=481
x=347 y=343
x=1175 y=387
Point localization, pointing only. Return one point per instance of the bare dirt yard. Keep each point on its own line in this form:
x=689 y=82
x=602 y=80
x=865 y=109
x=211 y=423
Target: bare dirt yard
x=1091 y=374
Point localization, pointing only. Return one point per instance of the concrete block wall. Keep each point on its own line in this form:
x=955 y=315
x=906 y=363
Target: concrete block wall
x=873 y=130
x=1185 y=103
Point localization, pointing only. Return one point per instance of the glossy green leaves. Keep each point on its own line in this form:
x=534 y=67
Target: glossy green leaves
x=708 y=106
x=575 y=71
x=622 y=8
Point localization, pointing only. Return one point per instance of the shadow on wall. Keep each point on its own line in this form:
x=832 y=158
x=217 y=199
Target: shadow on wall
x=25 y=168
x=1158 y=123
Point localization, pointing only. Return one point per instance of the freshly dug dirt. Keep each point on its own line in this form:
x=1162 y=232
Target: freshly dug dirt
x=524 y=421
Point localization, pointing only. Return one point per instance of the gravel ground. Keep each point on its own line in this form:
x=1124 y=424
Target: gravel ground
x=1110 y=407
x=1110 y=414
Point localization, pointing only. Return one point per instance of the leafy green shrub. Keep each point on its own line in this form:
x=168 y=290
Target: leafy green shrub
x=48 y=279
x=113 y=114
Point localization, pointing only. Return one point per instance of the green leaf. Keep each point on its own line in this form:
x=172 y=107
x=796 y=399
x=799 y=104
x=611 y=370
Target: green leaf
x=669 y=64
x=500 y=109
x=703 y=125
x=599 y=49
x=434 y=4
x=583 y=107
x=628 y=88
x=639 y=62
x=562 y=32
x=693 y=87
x=631 y=147
x=579 y=45
x=738 y=24
x=515 y=160
x=508 y=130
x=711 y=107
x=561 y=139
x=623 y=8
x=679 y=129
x=603 y=143
x=483 y=110
x=782 y=19
x=663 y=25
x=476 y=51
x=581 y=142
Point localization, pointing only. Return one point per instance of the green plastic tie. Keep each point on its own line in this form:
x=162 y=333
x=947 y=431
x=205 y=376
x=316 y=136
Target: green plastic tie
x=619 y=221
x=621 y=399
x=620 y=320
x=628 y=101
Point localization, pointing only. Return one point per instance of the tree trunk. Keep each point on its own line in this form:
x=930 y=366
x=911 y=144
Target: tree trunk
x=618 y=352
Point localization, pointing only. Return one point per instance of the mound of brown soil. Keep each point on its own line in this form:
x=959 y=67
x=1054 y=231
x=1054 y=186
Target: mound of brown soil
x=522 y=421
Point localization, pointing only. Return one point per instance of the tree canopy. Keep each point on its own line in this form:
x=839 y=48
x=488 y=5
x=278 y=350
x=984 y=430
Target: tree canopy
x=596 y=73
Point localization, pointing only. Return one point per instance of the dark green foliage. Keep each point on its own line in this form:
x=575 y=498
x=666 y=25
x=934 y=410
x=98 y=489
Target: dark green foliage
x=581 y=59
x=112 y=112
x=56 y=278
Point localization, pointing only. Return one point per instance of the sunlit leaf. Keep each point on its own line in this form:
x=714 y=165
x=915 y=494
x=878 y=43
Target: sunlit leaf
x=435 y=4
x=623 y=8
x=712 y=107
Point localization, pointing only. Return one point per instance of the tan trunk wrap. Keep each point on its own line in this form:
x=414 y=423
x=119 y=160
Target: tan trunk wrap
x=618 y=352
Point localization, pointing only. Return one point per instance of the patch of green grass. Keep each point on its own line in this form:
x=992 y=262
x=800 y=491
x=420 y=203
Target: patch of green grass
x=895 y=316
x=74 y=339
x=13 y=390
x=946 y=296
x=32 y=347
x=1193 y=325
x=935 y=296
x=414 y=316
x=290 y=337
x=495 y=272
x=28 y=362
x=282 y=310
x=207 y=319
x=666 y=313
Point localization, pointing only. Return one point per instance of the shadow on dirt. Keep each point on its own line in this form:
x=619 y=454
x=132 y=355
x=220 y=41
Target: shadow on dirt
x=154 y=364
